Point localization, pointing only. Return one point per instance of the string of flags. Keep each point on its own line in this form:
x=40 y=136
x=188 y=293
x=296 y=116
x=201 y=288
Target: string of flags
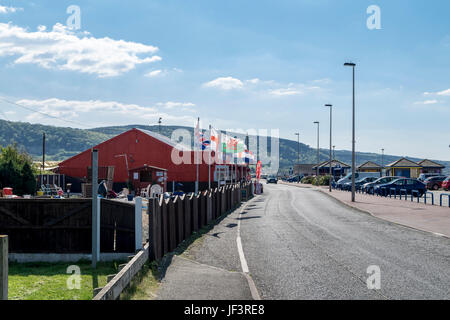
x=226 y=147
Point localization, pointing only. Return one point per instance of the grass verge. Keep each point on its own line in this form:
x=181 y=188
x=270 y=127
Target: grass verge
x=49 y=281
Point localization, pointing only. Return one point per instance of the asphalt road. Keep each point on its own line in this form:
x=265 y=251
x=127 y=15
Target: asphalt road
x=301 y=244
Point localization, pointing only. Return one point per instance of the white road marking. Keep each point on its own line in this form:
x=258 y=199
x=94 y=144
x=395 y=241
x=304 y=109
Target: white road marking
x=244 y=265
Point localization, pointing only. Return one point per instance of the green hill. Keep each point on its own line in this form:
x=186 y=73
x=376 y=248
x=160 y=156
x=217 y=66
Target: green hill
x=63 y=143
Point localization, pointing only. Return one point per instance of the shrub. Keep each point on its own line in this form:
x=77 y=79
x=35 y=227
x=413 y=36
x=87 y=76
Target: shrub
x=16 y=171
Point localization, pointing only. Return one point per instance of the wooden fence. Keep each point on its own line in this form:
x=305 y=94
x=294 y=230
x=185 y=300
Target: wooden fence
x=174 y=220
x=64 y=226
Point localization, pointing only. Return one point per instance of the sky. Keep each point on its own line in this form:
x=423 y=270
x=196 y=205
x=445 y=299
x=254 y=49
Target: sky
x=235 y=64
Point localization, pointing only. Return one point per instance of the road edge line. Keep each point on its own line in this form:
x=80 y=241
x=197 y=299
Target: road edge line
x=244 y=265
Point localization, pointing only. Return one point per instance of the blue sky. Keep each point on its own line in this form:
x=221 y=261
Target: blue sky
x=237 y=65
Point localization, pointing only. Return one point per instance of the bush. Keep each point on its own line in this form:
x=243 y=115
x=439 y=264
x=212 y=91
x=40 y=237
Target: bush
x=324 y=180
x=308 y=180
x=16 y=171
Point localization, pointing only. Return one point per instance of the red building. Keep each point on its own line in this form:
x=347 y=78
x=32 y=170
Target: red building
x=135 y=149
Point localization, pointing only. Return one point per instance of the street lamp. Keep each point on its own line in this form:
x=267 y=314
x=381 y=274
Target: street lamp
x=298 y=154
x=318 y=153
x=331 y=127
x=382 y=161
x=353 y=65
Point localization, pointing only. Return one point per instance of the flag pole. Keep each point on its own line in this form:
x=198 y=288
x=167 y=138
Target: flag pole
x=209 y=162
x=197 y=143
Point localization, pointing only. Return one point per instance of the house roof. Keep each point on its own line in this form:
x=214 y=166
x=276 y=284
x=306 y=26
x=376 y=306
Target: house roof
x=334 y=164
x=369 y=165
x=403 y=162
x=430 y=164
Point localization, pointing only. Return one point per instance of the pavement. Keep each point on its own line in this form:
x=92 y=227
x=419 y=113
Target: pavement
x=425 y=217
x=209 y=269
x=299 y=243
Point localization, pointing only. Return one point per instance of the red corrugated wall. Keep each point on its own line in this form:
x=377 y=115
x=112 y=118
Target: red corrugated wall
x=141 y=149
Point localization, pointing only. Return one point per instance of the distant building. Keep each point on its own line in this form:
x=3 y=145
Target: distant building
x=338 y=168
x=369 y=166
x=304 y=169
x=404 y=168
x=429 y=166
x=143 y=157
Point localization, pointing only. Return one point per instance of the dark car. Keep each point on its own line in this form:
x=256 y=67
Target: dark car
x=434 y=183
x=348 y=186
x=446 y=184
x=369 y=187
x=295 y=178
x=402 y=184
x=272 y=179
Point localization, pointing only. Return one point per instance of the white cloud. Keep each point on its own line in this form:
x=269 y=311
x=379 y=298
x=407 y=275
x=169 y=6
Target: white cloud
x=154 y=73
x=172 y=105
x=87 y=111
x=63 y=49
x=4 y=9
x=254 y=81
x=440 y=93
x=427 y=102
x=285 y=92
x=225 y=83
x=444 y=93
x=73 y=108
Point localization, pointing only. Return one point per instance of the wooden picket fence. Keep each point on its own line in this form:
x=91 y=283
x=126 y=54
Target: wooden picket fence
x=171 y=221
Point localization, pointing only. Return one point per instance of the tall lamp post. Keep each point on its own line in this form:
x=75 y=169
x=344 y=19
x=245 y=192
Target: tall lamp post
x=382 y=161
x=353 y=65
x=298 y=154
x=331 y=128
x=318 y=153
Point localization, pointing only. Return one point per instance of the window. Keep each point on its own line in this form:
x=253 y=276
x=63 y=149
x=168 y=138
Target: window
x=146 y=176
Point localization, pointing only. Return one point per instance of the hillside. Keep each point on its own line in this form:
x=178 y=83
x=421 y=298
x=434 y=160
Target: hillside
x=65 y=142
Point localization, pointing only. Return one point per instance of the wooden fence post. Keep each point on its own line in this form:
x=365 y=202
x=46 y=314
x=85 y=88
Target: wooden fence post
x=138 y=223
x=165 y=227
x=3 y=267
x=172 y=226
x=202 y=210
x=195 y=206
x=180 y=218
x=208 y=207
x=187 y=217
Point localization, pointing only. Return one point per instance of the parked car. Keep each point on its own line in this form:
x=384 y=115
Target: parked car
x=348 y=186
x=434 y=183
x=424 y=176
x=272 y=179
x=369 y=187
x=403 y=184
x=446 y=184
x=358 y=176
x=295 y=178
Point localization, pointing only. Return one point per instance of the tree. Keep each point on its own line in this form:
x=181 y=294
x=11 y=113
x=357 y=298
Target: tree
x=16 y=171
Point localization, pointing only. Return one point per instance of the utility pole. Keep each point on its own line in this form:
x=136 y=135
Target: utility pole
x=318 y=153
x=353 y=65
x=95 y=211
x=331 y=128
x=298 y=155
x=43 y=158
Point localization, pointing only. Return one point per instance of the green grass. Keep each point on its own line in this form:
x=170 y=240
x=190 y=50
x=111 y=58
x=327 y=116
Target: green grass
x=144 y=285
x=48 y=281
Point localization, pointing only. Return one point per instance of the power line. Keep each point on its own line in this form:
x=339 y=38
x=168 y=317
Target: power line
x=42 y=113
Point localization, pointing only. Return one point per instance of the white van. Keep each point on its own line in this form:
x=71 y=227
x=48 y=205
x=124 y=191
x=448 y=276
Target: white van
x=358 y=176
